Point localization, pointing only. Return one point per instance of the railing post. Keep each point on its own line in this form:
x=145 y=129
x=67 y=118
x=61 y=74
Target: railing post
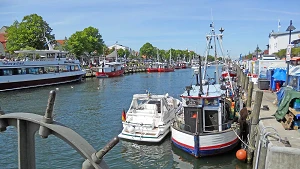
x=48 y=118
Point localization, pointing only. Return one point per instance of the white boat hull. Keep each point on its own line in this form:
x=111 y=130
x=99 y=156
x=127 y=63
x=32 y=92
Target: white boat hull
x=153 y=136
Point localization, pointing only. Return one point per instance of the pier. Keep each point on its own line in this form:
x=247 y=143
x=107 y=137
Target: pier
x=272 y=146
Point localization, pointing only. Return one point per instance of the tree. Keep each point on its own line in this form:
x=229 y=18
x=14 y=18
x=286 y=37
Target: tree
x=121 y=52
x=148 y=50
x=30 y=32
x=89 y=41
x=127 y=53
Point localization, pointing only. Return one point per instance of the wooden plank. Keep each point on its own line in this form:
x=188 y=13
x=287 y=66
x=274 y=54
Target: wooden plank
x=294 y=111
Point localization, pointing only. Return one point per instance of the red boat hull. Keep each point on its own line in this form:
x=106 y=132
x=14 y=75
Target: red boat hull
x=165 y=69
x=152 y=69
x=110 y=74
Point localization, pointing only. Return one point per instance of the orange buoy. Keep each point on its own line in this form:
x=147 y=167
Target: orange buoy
x=241 y=154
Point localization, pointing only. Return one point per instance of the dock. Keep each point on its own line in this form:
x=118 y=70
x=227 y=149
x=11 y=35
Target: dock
x=275 y=146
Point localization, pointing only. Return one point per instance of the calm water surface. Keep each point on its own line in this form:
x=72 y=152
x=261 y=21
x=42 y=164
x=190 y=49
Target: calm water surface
x=93 y=109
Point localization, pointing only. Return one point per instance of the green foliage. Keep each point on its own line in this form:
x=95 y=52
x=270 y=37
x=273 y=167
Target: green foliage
x=87 y=41
x=148 y=50
x=127 y=53
x=29 y=32
x=121 y=52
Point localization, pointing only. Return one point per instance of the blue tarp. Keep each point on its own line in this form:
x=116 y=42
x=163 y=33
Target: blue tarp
x=279 y=75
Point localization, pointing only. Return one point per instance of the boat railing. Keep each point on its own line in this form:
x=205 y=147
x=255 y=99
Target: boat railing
x=225 y=126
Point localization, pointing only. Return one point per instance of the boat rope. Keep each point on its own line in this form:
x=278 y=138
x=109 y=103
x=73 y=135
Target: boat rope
x=250 y=147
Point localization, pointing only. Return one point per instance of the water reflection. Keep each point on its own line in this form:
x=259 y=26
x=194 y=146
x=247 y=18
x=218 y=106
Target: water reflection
x=147 y=155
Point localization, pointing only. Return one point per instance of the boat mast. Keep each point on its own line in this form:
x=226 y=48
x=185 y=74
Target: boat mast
x=170 y=55
x=157 y=56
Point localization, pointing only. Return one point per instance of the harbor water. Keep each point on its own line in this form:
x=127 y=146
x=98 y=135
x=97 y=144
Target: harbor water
x=93 y=109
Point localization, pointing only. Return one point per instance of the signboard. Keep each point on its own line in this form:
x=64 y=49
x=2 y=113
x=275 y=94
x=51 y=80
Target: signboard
x=288 y=52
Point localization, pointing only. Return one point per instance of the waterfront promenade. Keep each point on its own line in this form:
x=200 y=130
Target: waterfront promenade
x=273 y=146
x=274 y=154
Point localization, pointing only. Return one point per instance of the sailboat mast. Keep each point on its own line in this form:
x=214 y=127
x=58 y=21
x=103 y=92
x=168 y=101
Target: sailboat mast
x=157 y=56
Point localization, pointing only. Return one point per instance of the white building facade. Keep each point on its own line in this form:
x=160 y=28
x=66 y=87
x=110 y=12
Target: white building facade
x=278 y=41
x=118 y=46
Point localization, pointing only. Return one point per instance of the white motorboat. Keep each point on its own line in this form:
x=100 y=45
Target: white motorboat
x=149 y=117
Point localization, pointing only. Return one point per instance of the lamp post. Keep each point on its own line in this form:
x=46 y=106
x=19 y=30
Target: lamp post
x=288 y=57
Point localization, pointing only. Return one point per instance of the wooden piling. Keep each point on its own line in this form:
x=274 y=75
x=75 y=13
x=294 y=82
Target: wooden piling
x=254 y=123
x=243 y=81
x=246 y=83
x=249 y=96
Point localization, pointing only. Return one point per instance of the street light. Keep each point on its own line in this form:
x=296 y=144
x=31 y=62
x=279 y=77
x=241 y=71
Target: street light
x=288 y=57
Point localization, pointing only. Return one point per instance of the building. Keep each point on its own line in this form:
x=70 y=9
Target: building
x=118 y=46
x=278 y=41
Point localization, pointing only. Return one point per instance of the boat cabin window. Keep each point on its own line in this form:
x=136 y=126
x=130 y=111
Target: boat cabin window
x=211 y=122
x=6 y=72
x=211 y=102
x=190 y=119
x=51 y=69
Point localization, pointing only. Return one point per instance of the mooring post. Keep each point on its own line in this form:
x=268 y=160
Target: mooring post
x=48 y=118
x=3 y=123
x=246 y=83
x=254 y=123
x=97 y=157
x=249 y=96
x=242 y=80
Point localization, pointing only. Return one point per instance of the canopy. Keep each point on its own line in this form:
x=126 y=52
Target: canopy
x=280 y=65
x=113 y=54
x=279 y=74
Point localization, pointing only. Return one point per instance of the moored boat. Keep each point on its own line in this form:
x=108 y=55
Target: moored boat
x=149 y=117
x=207 y=124
x=52 y=67
x=110 y=69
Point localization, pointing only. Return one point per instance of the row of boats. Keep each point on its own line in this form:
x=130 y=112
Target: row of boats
x=203 y=123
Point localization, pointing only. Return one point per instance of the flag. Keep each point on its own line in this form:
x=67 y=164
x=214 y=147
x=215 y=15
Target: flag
x=123 y=115
x=240 y=56
x=279 y=23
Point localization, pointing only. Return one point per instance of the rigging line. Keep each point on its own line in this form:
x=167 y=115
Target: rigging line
x=228 y=74
x=215 y=44
x=206 y=54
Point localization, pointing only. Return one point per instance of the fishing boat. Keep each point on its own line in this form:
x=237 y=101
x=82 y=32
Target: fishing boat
x=153 y=67
x=166 y=67
x=206 y=125
x=149 y=117
x=109 y=68
x=44 y=68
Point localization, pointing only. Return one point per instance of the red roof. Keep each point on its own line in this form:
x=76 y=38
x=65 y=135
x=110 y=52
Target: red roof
x=3 y=39
x=61 y=42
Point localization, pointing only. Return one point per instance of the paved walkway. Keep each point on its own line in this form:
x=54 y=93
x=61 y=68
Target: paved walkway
x=266 y=119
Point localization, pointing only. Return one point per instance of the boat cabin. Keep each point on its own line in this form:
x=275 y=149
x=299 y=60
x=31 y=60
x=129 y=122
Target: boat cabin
x=210 y=112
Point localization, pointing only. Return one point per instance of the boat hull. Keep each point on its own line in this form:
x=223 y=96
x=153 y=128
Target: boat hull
x=165 y=69
x=142 y=137
x=209 y=144
x=152 y=69
x=110 y=74
x=39 y=83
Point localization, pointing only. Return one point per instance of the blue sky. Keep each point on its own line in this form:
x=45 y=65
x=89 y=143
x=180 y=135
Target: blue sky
x=178 y=24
